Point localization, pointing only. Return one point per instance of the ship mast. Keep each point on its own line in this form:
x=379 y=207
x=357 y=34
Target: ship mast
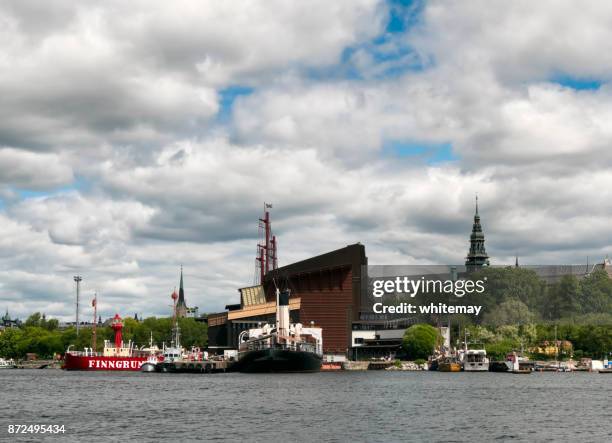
x=78 y=279
x=175 y=327
x=94 y=340
x=266 y=258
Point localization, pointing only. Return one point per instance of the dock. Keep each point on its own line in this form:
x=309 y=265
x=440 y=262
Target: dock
x=196 y=367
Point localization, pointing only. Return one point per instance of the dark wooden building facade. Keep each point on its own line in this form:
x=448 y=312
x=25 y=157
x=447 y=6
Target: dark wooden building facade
x=325 y=290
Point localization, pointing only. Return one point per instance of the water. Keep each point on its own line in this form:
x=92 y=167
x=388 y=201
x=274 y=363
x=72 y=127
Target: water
x=370 y=406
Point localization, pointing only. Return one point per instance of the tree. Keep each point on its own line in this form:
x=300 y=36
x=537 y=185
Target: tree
x=510 y=283
x=509 y=312
x=52 y=324
x=420 y=341
x=193 y=333
x=563 y=299
x=499 y=350
x=596 y=292
x=33 y=320
x=10 y=340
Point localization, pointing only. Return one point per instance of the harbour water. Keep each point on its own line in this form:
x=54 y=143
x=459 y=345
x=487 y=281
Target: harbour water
x=369 y=406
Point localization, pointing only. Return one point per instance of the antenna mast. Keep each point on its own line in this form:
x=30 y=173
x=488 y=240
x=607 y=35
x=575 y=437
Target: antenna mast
x=78 y=279
x=94 y=303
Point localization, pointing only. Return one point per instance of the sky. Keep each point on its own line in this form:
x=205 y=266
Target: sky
x=139 y=136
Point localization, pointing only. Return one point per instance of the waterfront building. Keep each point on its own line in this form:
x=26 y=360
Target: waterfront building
x=325 y=290
x=329 y=291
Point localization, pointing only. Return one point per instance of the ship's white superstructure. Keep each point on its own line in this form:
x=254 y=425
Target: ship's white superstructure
x=475 y=360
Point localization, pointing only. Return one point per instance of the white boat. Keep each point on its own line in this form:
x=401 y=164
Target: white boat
x=7 y=364
x=475 y=360
x=150 y=365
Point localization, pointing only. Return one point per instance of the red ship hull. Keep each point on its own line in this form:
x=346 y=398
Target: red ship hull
x=74 y=362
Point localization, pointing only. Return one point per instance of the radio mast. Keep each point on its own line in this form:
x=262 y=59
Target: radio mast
x=77 y=279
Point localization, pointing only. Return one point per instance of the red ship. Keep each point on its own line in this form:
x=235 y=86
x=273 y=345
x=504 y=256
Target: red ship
x=117 y=356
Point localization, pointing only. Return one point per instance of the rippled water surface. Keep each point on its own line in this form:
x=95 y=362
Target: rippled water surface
x=370 y=406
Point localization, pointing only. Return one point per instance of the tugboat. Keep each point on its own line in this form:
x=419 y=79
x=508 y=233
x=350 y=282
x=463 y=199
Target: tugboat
x=283 y=347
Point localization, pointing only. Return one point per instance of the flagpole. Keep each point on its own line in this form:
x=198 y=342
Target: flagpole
x=94 y=303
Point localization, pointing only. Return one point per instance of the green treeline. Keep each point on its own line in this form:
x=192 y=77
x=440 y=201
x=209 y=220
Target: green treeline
x=521 y=311
x=43 y=337
x=575 y=341
x=584 y=300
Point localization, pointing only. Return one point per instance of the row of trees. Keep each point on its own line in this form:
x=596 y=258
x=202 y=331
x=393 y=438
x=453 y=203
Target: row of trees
x=518 y=295
x=44 y=338
x=586 y=340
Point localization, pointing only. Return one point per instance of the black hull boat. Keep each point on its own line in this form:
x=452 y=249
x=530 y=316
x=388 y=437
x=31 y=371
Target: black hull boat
x=279 y=360
x=281 y=347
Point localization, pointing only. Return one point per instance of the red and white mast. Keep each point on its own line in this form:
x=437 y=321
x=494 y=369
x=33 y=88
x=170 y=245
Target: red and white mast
x=266 y=250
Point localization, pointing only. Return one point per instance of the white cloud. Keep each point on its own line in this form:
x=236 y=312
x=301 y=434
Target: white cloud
x=127 y=97
x=33 y=170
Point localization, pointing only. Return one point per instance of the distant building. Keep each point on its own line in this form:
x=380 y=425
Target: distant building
x=181 y=305
x=477 y=256
x=8 y=322
x=605 y=266
x=193 y=312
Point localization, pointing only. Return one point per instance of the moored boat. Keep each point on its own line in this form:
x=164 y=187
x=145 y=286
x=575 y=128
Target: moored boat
x=449 y=364
x=7 y=364
x=284 y=347
x=117 y=356
x=475 y=360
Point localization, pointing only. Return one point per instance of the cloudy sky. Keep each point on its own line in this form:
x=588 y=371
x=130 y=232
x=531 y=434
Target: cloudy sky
x=136 y=136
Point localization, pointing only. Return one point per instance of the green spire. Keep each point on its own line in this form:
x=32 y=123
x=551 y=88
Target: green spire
x=477 y=256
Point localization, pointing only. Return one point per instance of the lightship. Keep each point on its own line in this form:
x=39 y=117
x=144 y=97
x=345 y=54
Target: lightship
x=117 y=356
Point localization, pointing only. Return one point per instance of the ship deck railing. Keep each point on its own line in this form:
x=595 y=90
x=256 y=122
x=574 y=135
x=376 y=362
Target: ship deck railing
x=134 y=353
x=258 y=345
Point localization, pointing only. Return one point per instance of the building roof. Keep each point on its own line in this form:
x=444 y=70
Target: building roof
x=353 y=255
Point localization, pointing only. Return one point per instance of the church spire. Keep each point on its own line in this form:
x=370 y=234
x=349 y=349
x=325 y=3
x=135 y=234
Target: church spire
x=477 y=256
x=181 y=290
x=181 y=306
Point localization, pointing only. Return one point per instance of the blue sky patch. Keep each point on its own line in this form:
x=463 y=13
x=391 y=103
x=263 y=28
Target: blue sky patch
x=228 y=96
x=389 y=49
x=430 y=153
x=79 y=184
x=403 y=14
x=577 y=82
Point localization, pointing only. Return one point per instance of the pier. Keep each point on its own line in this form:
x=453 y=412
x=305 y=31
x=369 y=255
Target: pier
x=196 y=367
